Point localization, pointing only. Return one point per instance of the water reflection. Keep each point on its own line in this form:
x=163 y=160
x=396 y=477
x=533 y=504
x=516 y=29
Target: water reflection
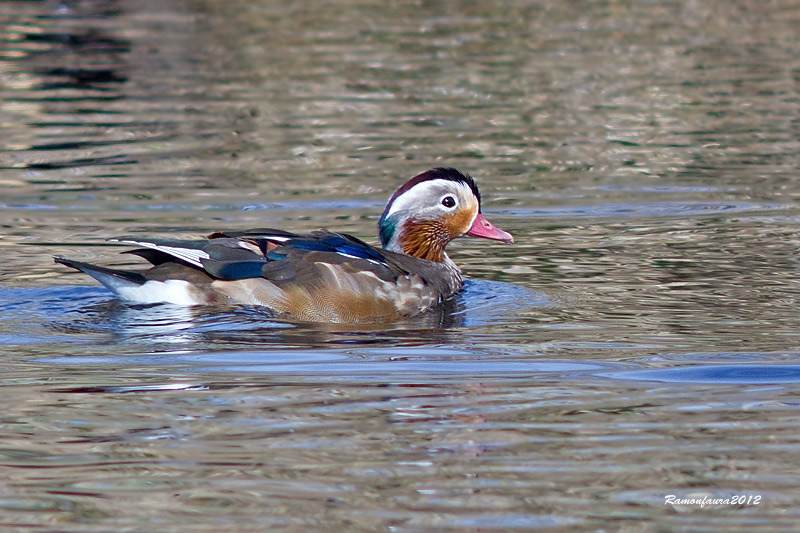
x=645 y=209
x=57 y=54
x=417 y=365
x=741 y=374
x=481 y=303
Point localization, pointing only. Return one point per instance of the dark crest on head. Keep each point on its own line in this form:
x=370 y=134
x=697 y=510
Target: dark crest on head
x=439 y=173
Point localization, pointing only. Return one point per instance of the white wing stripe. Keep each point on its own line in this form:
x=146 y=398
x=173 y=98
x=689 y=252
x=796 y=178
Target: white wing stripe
x=190 y=255
x=187 y=254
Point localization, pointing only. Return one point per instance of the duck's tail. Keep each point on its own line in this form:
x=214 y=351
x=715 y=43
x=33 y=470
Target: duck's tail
x=136 y=287
x=112 y=279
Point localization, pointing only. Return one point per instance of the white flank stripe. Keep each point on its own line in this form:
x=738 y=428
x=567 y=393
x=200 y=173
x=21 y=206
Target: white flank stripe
x=173 y=291
x=373 y=261
x=250 y=247
x=349 y=255
x=268 y=237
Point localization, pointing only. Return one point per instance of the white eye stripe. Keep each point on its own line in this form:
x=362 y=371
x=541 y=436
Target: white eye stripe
x=423 y=193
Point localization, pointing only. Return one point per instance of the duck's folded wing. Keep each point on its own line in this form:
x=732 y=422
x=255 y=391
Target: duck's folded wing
x=291 y=258
x=193 y=253
x=320 y=276
x=327 y=276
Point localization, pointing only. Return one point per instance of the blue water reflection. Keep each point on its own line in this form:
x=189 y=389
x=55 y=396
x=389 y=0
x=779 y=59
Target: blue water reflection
x=722 y=374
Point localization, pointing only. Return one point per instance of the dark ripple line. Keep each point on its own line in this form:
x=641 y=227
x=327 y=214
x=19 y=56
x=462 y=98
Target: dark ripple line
x=86 y=144
x=121 y=159
x=96 y=43
x=56 y=99
x=131 y=124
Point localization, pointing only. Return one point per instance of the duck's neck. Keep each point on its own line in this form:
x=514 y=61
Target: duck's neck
x=415 y=239
x=421 y=239
x=424 y=240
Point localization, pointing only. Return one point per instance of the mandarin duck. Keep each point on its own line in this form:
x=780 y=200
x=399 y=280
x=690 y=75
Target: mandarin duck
x=321 y=276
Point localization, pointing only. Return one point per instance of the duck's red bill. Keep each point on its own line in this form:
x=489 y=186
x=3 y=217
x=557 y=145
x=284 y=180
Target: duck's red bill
x=486 y=230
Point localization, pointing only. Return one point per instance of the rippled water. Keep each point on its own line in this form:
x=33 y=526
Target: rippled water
x=640 y=339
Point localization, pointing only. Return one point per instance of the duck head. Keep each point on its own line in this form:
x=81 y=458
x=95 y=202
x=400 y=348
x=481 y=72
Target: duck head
x=430 y=210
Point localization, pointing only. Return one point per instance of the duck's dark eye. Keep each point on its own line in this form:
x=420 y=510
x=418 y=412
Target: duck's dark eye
x=448 y=201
